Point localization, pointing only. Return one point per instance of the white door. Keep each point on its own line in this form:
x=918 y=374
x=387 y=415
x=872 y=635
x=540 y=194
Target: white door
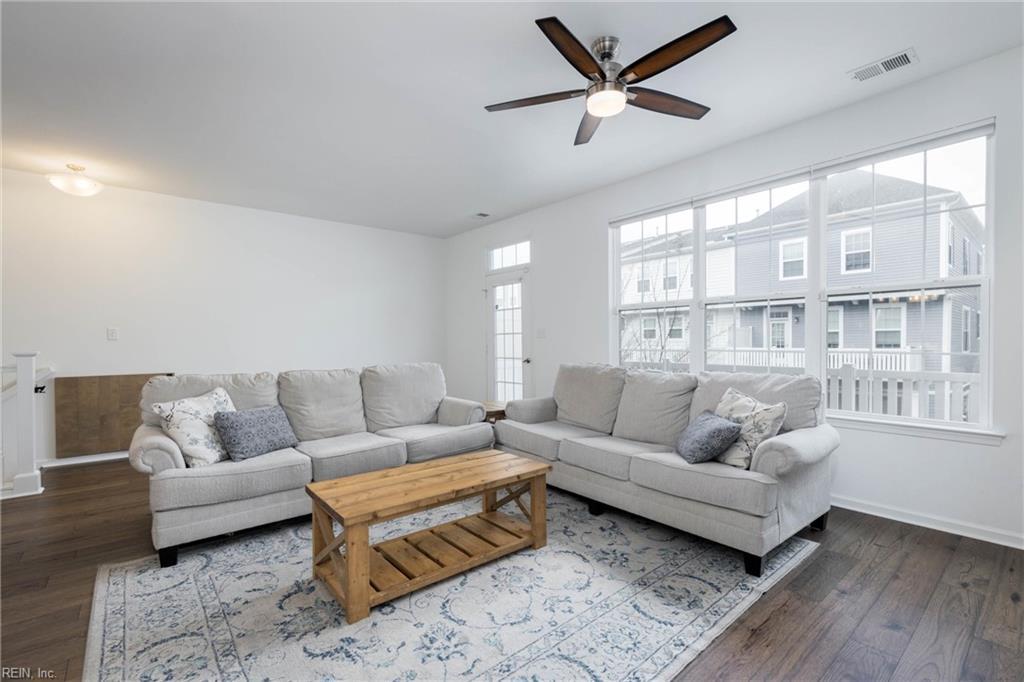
x=508 y=361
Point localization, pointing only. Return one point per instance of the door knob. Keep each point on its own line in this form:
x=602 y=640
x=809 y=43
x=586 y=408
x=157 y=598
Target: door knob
x=526 y=361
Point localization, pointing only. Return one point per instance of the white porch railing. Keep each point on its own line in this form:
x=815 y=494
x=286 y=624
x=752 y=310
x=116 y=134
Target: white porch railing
x=794 y=358
x=946 y=396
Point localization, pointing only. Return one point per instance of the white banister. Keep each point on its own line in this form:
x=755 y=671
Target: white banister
x=26 y=479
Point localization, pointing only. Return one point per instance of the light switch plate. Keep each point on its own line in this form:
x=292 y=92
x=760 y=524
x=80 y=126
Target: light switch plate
x=112 y=333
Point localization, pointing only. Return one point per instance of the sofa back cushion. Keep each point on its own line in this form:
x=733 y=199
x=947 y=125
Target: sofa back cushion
x=655 y=406
x=801 y=393
x=246 y=390
x=402 y=395
x=589 y=395
x=322 y=403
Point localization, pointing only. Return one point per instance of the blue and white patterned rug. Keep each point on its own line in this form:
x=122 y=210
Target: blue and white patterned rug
x=612 y=597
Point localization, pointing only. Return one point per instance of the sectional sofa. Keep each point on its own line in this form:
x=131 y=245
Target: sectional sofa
x=610 y=434
x=347 y=421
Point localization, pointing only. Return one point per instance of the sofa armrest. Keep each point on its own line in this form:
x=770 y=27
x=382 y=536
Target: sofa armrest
x=153 y=451
x=532 y=410
x=459 y=412
x=783 y=453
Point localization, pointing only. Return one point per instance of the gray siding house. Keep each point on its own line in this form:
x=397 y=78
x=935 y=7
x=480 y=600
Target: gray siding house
x=882 y=231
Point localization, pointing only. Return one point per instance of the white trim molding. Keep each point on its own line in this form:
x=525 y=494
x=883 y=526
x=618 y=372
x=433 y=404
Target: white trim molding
x=917 y=429
x=998 y=536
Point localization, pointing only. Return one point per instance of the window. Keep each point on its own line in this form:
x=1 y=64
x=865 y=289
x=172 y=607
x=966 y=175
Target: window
x=889 y=326
x=834 y=327
x=671 y=279
x=903 y=239
x=965 y=329
x=856 y=256
x=510 y=256
x=792 y=253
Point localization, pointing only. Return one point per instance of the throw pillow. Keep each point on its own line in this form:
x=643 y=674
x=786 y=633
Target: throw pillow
x=251 y=433
x=707 y=437
x=758 y=422
x=189 y=422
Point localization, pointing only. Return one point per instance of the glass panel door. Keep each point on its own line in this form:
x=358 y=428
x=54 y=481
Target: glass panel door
x=507 y=358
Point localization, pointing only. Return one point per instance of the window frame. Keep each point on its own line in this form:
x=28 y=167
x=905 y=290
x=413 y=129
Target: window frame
x=843 y=250
x=782 y=259
x=819 y=290
x=489 y=252
x=902 y=307
x=842 y=313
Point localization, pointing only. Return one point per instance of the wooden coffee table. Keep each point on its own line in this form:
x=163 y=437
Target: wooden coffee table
x=363 y=576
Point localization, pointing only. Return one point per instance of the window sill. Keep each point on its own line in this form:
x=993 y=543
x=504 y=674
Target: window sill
x=974 y=436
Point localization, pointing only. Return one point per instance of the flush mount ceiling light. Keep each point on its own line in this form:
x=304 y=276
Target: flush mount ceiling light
x=75 y=182
x=610 y=86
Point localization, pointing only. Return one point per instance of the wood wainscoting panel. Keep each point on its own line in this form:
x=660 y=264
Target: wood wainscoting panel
x=98 y=414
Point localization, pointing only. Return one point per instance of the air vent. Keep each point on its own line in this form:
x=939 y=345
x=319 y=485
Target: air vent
x=890 y=63
x=482 y=215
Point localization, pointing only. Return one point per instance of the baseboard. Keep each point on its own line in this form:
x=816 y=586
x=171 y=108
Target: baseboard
x=81 y=459
x=970 y=530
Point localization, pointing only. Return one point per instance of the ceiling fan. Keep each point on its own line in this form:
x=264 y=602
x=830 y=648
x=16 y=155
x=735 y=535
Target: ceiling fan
x=611 y=86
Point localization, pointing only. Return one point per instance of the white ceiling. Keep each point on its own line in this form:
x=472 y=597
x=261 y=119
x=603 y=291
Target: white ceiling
x=373 y=114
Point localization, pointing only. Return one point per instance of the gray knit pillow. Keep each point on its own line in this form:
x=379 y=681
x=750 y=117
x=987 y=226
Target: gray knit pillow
x=707 y=437
x=250 y=433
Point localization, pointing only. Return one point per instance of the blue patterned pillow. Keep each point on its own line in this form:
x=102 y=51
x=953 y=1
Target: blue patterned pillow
x=706 y=437
x=250 y=433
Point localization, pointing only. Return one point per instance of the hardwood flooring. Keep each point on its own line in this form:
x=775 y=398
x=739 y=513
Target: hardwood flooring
x=880 y=600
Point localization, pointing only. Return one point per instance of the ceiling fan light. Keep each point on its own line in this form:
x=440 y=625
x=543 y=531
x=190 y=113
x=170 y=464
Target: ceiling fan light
x=75 y=183
x=603 y=103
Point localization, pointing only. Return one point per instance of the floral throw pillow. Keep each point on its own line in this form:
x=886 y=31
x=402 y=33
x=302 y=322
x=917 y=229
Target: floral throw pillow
x=758 y=422
x=189 y=422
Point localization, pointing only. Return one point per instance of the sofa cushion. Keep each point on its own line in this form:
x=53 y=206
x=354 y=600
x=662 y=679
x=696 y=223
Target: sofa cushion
x=402 y=395
x=322 y=403
x=246 y=390
x=352 y=453
x=190 y=422
x=655 y=406
x=226 y=481
x=606 y=455
x=707 y=437
x=429 y=441
x=758 y=422
x=541 y=439
x=255 y=432
x=801 y=393
x=588 y=395
x=711 y=482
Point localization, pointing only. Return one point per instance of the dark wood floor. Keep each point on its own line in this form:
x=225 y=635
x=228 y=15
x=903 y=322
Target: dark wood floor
x=880 y=600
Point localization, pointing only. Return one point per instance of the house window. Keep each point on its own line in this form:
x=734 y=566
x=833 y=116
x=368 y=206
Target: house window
x=856 y=250
x=513 y=255
x=834 y=327
x=779 y=328
x=889 y=326
x=675 y=330
x=671 y=279
x=966 y=255
x=965 y=329
x=643 y=286
x=650 y=328
x=792 y=258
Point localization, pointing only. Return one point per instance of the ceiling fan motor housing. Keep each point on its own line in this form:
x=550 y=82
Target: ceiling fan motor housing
x=605 y=48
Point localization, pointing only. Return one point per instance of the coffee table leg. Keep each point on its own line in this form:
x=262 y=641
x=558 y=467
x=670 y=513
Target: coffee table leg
x=539 y=511
x=357 y=572
x=318 y=539
x=490 y=500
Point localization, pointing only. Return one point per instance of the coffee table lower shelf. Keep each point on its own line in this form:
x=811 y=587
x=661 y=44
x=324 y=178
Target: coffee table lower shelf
x=413 y=561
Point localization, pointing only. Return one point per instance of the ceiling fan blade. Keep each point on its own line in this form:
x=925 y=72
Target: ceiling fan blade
x=684 y=47
x=573 y=51
x=664 y=103
x=588 y=126
x=539 y=99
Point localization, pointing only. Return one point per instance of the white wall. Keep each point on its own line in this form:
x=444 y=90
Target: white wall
x=965 y=488
x=194 y=286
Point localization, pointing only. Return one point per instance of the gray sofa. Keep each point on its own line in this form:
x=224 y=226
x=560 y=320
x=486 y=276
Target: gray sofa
x=610 y=434
x=347 y=421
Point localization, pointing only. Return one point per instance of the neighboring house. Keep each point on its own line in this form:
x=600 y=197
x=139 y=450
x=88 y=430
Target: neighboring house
x=878 y=231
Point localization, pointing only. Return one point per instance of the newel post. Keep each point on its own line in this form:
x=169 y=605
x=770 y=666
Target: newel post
x=26 y=479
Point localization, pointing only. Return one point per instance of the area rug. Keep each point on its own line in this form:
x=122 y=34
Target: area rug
x=611 y=597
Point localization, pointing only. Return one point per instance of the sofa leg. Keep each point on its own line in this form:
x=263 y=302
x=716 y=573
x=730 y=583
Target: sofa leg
x=168 y=556
x=596 y=508
x=820 y=523
x=753 y=564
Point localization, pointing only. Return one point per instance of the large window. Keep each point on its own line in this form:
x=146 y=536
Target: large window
x=883 y=296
